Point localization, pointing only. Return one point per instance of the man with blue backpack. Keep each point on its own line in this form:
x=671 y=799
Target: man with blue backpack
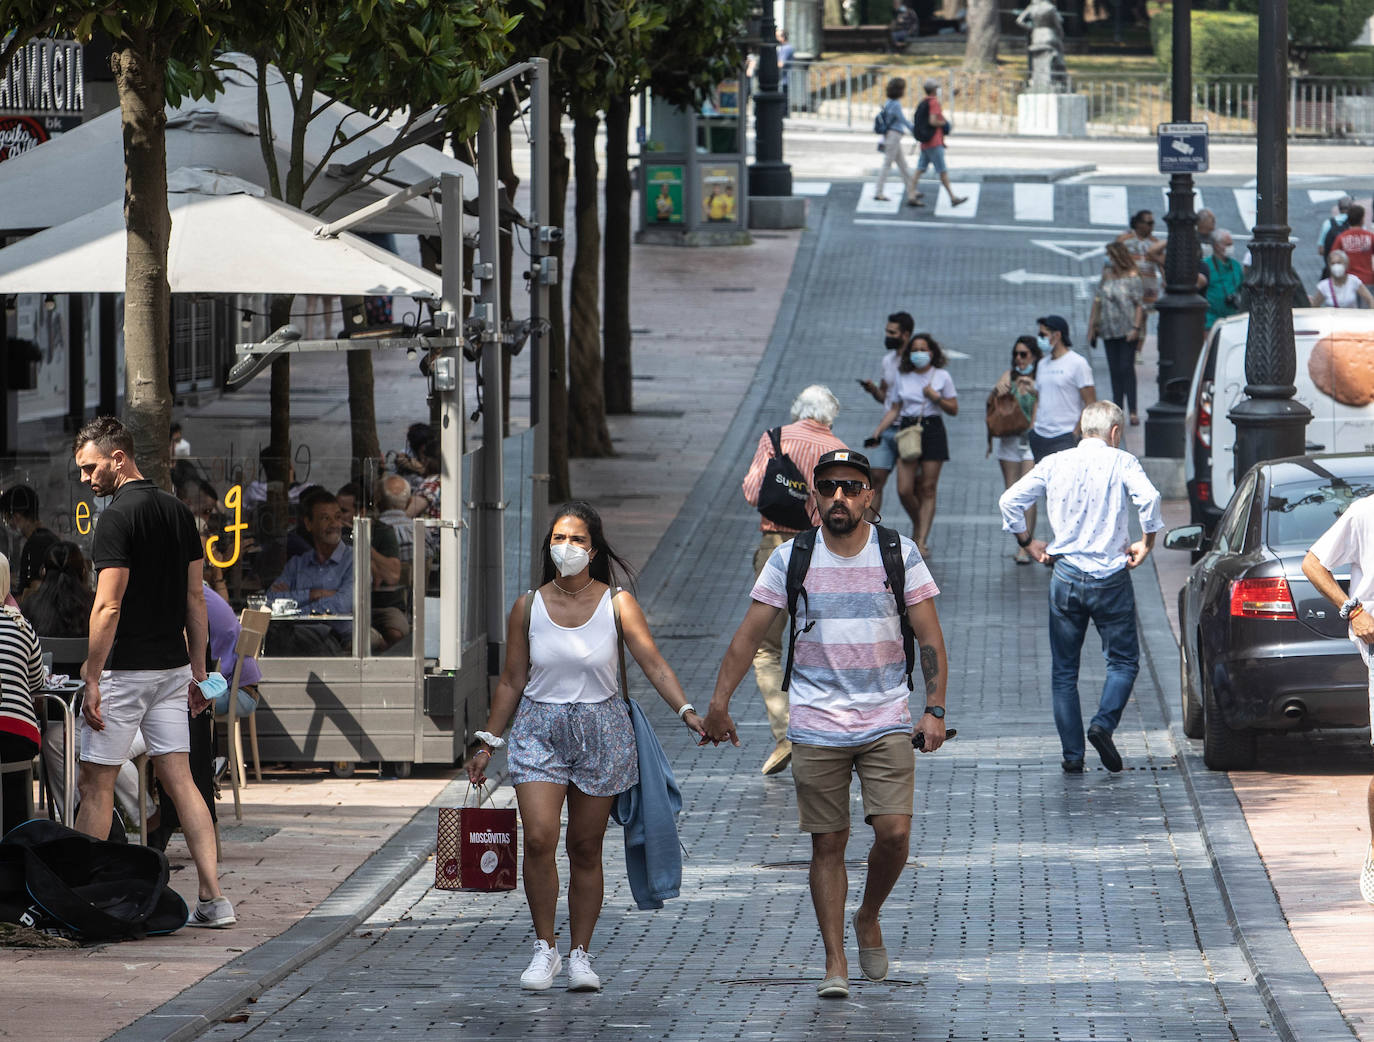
x=860 y=601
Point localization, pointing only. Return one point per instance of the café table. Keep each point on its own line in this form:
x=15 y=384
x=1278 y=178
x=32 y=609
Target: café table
x=65 y=695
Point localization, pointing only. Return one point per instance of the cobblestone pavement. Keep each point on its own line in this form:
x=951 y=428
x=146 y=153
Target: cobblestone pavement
x=1037 y=906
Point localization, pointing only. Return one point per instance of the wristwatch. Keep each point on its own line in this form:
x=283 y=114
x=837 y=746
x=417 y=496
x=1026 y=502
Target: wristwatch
x=936 y=711
x=1348 y=607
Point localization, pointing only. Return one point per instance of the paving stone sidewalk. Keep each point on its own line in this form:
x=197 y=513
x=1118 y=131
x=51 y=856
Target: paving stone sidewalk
x=1037 y=906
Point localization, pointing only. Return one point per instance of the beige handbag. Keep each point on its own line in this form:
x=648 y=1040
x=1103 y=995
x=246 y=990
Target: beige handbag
x=909 y=442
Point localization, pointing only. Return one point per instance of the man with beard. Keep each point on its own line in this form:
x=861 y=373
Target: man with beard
x=849 y=696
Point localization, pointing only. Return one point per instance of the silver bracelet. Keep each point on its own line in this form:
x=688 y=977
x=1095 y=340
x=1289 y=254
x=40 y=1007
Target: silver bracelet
x=495 y=741
x=687 y=708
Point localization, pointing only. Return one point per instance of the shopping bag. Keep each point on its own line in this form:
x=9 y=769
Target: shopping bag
x=475 y=849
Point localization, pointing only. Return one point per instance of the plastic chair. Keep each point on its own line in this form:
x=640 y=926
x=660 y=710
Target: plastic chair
x=252 y=630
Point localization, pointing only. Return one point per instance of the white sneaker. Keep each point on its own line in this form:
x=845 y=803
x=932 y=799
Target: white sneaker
x=1367 y=877
x=581 y=976
x=543 y=968
x=216 y=913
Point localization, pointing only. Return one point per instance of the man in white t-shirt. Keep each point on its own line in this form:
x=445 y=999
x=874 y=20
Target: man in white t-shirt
x=1350 y=541
x=848 y=698
x=1064 y=380
x=883 y=456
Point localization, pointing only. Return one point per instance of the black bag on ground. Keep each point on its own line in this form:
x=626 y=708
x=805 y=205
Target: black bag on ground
x=783 y=494
x=62 y=881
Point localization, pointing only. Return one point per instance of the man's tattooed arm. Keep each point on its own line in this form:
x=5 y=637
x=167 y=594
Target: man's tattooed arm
x=930 y=668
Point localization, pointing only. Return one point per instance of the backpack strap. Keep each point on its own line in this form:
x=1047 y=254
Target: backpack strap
x=775 y=436
x=620 y=643
x=803 y=543
x=890 y=546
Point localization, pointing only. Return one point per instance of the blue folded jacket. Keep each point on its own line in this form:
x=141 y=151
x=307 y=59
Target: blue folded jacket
x=648 y=810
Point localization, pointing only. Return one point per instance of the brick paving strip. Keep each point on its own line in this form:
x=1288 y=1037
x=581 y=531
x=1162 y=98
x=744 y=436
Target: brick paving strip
x=1038 y=906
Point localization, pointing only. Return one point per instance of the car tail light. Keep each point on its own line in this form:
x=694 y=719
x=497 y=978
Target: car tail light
x=1261 y=599
x=1204 y=414
x=1204 y=491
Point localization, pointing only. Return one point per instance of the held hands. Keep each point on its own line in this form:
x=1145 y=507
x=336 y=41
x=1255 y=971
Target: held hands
x=719 y=728
x=696 y=725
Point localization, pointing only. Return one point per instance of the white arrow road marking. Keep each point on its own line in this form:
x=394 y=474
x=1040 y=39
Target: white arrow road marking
x=893 y=191
x=1107 y=205
x=1081 y=283
x=1325 y=195
x=1077 y=249
x=1033 y=202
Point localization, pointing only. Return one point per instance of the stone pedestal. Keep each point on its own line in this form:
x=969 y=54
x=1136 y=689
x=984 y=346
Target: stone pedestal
x=777 y=211
x=1052 y=115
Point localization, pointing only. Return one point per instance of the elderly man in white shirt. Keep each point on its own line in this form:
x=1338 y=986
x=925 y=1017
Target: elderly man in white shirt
x=1086 y=490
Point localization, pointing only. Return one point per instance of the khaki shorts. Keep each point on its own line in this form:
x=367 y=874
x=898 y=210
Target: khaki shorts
x=887 y=777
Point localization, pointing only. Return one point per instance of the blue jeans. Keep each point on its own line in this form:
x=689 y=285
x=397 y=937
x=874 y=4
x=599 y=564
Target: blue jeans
x=1075 y=598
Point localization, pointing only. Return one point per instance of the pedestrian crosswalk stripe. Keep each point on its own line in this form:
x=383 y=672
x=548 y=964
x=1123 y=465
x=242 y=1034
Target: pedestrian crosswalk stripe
x=867 y=204
x=1033 y=202
x=1325 y=195
x=1107 y=205
x=1246 y=204
x=970 y=190
x=810 y=187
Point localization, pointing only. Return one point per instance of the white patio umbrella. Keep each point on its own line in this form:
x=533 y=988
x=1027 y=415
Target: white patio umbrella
x=227 y=236
x=83 y=168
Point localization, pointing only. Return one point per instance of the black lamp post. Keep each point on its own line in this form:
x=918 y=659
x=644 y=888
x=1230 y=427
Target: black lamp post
x=769 y=175
x=1182 y=312
x=1269 y=423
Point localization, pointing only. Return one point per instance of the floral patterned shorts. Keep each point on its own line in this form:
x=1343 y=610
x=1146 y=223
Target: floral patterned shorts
x=587 y=744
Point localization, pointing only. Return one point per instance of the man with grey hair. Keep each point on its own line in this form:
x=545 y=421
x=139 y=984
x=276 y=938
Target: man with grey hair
x=1086 y=489
x=1224 y=279
x=393 y=496
x=801 y=444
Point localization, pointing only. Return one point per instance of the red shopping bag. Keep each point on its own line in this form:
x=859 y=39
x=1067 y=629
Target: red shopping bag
x=475 y=849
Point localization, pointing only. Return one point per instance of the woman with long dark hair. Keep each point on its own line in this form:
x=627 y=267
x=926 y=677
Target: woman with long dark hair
x=1013 y=451
x=924 y=394
x=571 y=740
x=60 y=606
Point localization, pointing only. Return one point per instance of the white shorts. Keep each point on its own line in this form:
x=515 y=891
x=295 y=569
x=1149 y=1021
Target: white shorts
x=151 y=699
x=1013 y=449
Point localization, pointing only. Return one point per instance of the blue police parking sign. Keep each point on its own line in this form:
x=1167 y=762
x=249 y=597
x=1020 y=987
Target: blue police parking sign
x=1183 y=148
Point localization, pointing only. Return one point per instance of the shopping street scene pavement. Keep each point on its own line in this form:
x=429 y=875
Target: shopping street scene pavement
x=1165 y=902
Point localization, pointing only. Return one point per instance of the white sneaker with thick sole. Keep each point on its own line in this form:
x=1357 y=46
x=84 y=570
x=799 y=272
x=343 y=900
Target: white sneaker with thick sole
x=216 y=913
x=581 y=976
x=1367 y=877
x=543 y=968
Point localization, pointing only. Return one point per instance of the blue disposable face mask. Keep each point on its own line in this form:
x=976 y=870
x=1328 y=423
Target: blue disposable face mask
x=920 y=359
x=1025 y=370
x=1044 y=342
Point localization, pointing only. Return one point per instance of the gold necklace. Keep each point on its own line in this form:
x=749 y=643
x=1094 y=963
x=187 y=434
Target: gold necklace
x=573 y=593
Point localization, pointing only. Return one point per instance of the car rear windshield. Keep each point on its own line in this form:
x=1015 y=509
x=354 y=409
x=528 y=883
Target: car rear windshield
x=1300 y=512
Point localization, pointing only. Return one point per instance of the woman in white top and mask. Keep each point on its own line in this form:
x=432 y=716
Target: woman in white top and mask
x=1341 y=290
x=572 y=738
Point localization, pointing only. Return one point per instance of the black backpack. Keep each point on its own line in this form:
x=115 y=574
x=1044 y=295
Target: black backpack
x=784 y=492
x=890 y=546
x=922 y=127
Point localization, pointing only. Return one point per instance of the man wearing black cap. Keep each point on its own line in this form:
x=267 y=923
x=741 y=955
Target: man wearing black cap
x=19 y=506
x=1065 y=382
x=849 y=697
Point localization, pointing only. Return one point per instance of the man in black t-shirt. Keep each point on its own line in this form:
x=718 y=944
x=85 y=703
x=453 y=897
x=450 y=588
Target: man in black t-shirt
x=146 y=656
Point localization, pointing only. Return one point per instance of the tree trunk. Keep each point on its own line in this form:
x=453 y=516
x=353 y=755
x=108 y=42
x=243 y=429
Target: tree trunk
x=505 y=173
x=587 y=432
x=362 y=412
x=615 y=319
x=980 y=52
x=276 y=457
x=140 y=68
x=560 y=484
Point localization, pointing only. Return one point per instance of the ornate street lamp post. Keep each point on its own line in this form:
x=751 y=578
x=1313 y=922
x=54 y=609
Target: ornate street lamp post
x=1269 y=423
x=1182 y=312
x=769 y=175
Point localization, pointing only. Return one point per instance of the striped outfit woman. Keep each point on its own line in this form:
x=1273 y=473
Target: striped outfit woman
x=21 y=676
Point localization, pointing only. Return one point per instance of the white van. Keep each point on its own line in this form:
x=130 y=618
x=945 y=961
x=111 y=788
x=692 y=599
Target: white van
x=1219 y=383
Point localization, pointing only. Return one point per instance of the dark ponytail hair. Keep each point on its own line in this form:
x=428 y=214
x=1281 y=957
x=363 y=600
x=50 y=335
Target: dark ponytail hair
x=606 y=566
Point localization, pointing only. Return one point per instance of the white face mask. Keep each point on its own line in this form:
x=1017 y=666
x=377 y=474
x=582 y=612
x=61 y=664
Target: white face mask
x=1228 y=251
x=569 y=559
x=1338 y=271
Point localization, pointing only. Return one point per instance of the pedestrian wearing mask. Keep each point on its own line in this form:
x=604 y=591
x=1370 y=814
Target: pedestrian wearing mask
x=1065 y=382
x=1341 y=289
x=1118 y=317
x=923 y=395
x=572 y=741
x=1013 y=451
x=883 y=456
x=1224 y=278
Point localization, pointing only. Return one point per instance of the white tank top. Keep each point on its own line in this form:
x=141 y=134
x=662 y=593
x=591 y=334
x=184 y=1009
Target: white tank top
x=578 y=664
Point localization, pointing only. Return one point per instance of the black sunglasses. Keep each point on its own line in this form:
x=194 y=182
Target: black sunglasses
x=1020 y=354
x=850 y=487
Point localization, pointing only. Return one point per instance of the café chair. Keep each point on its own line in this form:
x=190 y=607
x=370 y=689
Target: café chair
x=25 y=767
x=252 y=630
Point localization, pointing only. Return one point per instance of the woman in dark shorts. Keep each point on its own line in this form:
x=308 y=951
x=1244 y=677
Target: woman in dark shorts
x=922 y=394
x=571 y=739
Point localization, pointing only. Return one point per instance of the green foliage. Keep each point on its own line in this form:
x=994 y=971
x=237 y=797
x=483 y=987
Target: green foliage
x=1225 y=43
x=1319 y=23
x=1358 y=64
x=698 y=46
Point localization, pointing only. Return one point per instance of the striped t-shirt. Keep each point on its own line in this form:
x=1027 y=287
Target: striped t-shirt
x=21 y=675
x=849 y=673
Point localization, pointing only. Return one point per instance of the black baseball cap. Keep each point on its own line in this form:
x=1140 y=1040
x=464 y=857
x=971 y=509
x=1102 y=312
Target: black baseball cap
x=843 y=458
x=1057 y=322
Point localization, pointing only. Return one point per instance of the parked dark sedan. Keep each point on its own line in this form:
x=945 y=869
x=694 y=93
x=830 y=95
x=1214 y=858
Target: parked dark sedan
x=1261 y=650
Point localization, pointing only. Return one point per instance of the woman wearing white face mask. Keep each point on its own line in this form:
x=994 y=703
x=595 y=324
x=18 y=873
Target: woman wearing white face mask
x=1341 y=290
x=1224 y=278
x=572 y=739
